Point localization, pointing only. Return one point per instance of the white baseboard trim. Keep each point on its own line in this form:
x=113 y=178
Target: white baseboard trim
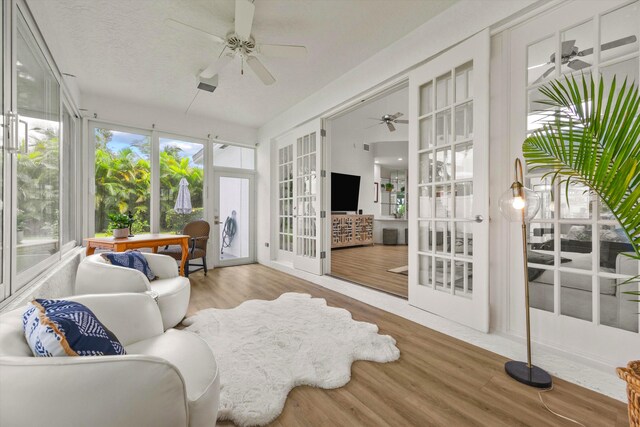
x=570 y=367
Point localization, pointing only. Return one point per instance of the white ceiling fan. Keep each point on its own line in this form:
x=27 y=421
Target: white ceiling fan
x=389 y=120
x=239 y=42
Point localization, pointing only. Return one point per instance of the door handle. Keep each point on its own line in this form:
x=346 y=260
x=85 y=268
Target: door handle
x=477 y=218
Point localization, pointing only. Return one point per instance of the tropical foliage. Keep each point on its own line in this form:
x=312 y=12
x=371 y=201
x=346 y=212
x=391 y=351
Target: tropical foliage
x=123 y=182
x=591 y=136
x=38 y=175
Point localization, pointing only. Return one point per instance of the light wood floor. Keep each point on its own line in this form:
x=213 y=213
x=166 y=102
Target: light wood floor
x=438 y=380
x=368 y=265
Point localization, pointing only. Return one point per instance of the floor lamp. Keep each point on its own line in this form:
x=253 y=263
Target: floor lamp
x=520 y=204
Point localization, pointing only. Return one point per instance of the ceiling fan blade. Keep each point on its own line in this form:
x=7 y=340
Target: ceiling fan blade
x=181 y=26
x=567 y=47
x=545 y=75
x=216 y=66
x=619 y=42
x=396 y=115
x=244 y=18
x=282 y=50
x=369 y=127
x=577 y=64
x=391 y=127
x=263 y=74
x=401 y=121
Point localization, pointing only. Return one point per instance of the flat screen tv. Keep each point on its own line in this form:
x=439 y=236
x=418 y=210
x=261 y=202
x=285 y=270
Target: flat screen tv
x=345 y=190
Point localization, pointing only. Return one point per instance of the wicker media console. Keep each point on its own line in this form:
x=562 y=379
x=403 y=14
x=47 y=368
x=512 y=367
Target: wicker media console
x=351 y=230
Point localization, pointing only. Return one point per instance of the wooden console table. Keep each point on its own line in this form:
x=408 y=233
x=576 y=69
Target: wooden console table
x=351 y=230
x=152 y=241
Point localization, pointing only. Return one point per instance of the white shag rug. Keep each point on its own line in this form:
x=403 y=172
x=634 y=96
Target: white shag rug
x=266 y=348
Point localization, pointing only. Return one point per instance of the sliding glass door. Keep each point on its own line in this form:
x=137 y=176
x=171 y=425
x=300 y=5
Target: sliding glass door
x=37 y=159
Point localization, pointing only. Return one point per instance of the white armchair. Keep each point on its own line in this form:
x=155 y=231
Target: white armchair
x=96 y=276
x=165 y=379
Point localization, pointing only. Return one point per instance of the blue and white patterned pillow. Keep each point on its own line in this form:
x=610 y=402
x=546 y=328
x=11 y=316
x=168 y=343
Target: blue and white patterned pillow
x=130 y=259
x=67 y=328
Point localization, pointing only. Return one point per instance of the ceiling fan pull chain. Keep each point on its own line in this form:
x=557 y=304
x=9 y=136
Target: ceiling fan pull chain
x=242 y=66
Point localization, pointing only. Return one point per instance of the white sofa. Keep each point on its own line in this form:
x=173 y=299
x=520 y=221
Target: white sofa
x=167 y=379
x=97 y=276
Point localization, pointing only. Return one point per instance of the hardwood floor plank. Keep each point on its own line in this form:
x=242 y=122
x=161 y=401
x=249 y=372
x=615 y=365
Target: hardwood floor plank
x=438 y=380
x=368 y=265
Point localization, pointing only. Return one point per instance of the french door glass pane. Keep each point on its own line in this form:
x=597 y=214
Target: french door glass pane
x=234 y=214
x=578 y=41
x=540 y=66
x=123 y=179
x=180 y=201
x=619 y=32
x=38 y=158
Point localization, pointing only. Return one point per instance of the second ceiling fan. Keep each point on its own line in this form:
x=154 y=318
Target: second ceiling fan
x=389 y=120
x=239 y=42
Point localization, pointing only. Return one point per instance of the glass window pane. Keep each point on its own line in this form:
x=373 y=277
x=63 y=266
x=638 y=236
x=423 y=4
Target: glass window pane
x=540 y=61
x=443 y=164
x=578 y=205
x=443 y=91
x=181 y=184
x=577 y=48
x=576 y=246
x=617 y=309
x=424 y=270
x=234 y=212
x=621 y=70
x=575 y=295
x=464 y=161
x=231 y=156
x=614 y=244
x=536 y=111
x=619 y=32
x=424 y=208
x=443 y=274
x=426 y=98
x=123 y=179
x=544 y=188
x=426 y=132
x=426 y=168
x=464 y=200
x=38 y=158
x=443 y=127
x=464 y=84
x=464 y=121
x=425 y=236
x=541 y=246
x=444 y=203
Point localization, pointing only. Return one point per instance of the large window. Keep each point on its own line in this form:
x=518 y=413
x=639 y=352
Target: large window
x=38 y=156
x=577 y=248
x=123 y=178
x=181 y=183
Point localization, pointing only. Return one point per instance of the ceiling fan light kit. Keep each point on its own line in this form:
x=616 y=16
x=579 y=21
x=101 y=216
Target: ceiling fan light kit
x=240 y=43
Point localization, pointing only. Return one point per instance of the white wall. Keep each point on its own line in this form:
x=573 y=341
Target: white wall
x=455 y=24
x=348 y=157
x=166 y=120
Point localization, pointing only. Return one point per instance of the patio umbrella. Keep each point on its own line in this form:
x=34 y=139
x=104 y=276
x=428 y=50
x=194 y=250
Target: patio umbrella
x=183 y=202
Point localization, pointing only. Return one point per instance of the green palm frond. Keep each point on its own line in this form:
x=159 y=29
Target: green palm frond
x=593 y=139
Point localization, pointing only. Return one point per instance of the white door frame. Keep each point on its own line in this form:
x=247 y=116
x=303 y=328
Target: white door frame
x=216 y=224
x=470 y=308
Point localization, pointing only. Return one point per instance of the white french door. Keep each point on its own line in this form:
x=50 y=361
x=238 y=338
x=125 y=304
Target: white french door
x=448 y=173
x=233 y=213
x=577 y=252
x=298 y=162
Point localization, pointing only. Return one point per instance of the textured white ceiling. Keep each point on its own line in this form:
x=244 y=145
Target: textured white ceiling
x=123 y=49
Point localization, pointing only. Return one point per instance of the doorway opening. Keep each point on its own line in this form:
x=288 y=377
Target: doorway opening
x=369 y=165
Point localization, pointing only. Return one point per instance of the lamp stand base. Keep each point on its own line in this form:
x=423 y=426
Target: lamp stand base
x=531 y=376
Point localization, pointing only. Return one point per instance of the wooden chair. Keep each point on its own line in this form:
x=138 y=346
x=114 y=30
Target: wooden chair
x=199 y=235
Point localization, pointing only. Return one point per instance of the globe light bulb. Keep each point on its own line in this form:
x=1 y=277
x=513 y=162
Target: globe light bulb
x=518 y=203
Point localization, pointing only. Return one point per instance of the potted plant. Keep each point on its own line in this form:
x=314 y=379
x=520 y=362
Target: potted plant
x=388 y=186
x=592 y=137
x=119 y=223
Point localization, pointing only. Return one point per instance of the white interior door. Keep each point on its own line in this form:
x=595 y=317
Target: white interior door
x=577 y=303
x=448 y=173
x=307 y=193
x=232 y=232
x=298 y=198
